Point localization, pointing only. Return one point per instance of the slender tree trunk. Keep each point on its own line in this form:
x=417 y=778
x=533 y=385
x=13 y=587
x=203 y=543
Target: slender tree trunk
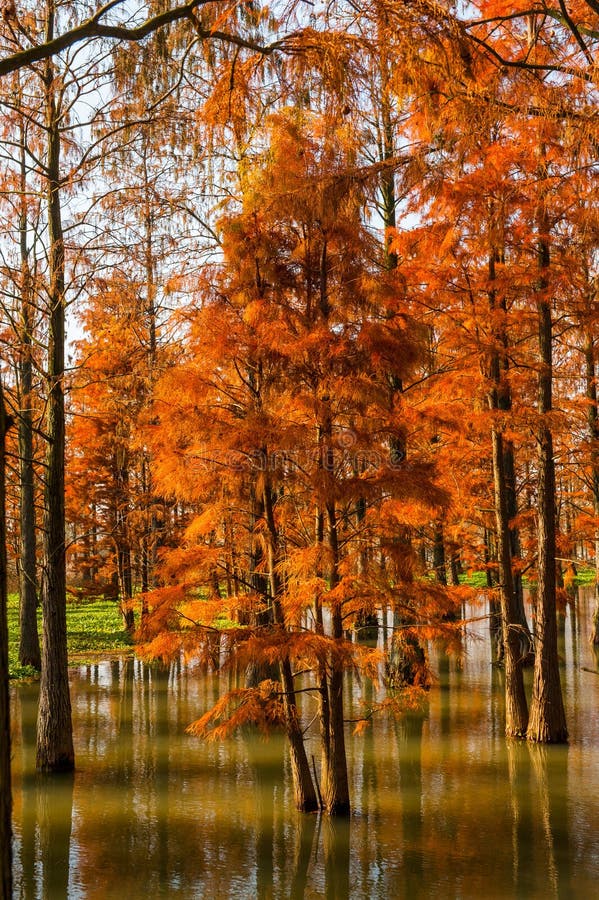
x=5 y=784
x=593 y=423
x=257 y=671
x=29 y=643
x=547 y=722
x=305 y=793
x=123 y=548
x=54 y=728
x=324 y=709
x=509 y=467
x=149 y=540
x=335 y=787
x=406 y=658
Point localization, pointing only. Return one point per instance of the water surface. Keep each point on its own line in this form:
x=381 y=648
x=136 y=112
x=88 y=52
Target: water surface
x=443 y=805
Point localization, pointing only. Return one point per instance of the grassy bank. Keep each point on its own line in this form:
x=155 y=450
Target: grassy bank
x=94 y=628
x=479 y=579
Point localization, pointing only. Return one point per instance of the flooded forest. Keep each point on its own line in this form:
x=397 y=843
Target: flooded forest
x=299 y=449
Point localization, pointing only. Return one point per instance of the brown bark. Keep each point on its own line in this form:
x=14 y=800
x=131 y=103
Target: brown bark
x=54 y=729
x=547 y=721
x=29 y=644
x=123 y=546
x=335 y=784
x=93 y=27
x=516 y=641
x=305 y=793
x=514 y=648
x=502 y=401
x=593 y=425
x=5 y=783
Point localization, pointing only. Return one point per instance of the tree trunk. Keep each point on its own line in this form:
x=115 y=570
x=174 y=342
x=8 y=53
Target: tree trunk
x=501 y=400
x=29 y=643
x=256 y=670
x=547 y=723
x=516 y=640
x=123 y=545
x=54 y=729
x=5 y=784
x=516 y=708
x=150 y=537
x=593 y=423
x=305 y=793
x=335 y=783
x=439 y=553
x=509 y=468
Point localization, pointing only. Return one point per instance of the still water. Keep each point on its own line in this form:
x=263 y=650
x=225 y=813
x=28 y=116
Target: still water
x=444 y=807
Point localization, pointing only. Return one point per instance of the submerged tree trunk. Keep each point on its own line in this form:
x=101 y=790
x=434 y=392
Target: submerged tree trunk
x=516 y=640
x=509 y=468
x=335 y=783
x=305 y=793
x=501 y=400
x=547 y=723
x=514 y=647
x=5 y=787
x=54 y=728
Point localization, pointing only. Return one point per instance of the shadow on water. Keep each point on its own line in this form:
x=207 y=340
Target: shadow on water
x=443 y=805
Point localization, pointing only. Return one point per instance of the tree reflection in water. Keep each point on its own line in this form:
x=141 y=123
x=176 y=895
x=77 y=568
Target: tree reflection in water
x=443 y=805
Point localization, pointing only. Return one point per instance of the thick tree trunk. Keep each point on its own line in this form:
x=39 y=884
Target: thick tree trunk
x=54 y=728
x=501 y=400
x=515 y=644
x=516 y=641
x=5 y=785
x=547 y=722
x=29 y=643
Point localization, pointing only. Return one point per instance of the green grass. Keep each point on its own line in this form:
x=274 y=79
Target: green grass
x=585 y=576
x=474 y=579
x=479 y=579
x=94 y=627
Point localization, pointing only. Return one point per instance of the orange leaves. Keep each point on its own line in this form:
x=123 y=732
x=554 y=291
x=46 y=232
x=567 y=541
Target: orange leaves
x=261 y=706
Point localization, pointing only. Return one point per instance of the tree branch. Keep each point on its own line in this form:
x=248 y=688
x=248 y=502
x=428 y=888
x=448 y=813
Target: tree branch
x=93 y=28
